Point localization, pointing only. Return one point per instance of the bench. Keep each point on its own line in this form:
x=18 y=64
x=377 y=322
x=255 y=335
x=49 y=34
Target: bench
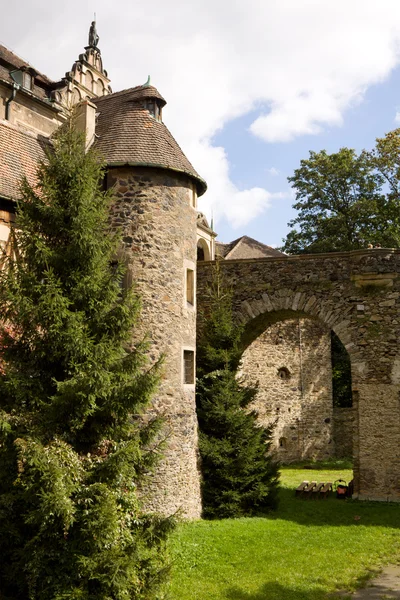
x=309 y=488
x=301 y=487
x=316 y=490
x=325 y=491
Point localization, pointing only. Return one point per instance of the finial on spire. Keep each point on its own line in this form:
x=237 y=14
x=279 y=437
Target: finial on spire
x=93 y=37
x=147 y=82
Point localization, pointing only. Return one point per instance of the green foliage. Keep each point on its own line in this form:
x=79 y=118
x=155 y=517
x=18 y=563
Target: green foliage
x=341 y=374
x=341 y=203
x=239 y=477
x=72 y=446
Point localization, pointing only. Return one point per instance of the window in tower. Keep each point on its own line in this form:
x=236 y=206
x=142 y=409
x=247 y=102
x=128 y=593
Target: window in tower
x=188 y=367
x=190 y=286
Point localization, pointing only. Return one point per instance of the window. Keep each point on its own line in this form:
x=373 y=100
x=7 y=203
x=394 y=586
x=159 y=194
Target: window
x=200 y=253
x=194 y=196
x=27 y=80
x=190 y=286
x=188 y=367
x=283 y=373
x=283 y=443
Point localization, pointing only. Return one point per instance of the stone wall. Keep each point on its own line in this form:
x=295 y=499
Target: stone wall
x=357 y=294
x=291 y=361
x=343 y=431
x=153 y=210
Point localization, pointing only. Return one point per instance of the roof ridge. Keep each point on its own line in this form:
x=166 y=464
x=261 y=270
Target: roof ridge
x=258 y=242
x=128 y=91
x=22 y=60
x=235 y=244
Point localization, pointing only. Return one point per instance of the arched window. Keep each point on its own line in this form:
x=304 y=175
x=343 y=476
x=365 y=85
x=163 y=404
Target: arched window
x=284 y=373
x=76 y=96
x=100 y=88
x=89 y=80
x=283 y=443
x=203 y=252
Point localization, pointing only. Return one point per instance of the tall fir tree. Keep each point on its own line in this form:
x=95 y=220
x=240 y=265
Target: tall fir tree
x=239 y=477
x=73 y=448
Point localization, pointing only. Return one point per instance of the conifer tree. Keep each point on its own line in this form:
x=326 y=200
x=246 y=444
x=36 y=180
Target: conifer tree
x=239 y=477
x=72 y=386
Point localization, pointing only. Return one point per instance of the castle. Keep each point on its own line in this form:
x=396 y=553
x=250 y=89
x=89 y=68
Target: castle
x=166 y=242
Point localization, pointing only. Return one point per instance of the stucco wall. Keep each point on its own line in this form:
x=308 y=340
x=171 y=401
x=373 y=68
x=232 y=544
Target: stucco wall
x=26 y=111
x=291 y=361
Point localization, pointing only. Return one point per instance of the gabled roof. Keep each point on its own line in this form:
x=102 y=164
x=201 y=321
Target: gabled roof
x=9 y=62
x=11 y=59
x=20 y=152
x=246 y=247
x=129 y=135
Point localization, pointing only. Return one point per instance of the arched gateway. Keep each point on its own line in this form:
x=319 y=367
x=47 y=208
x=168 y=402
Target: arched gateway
x=357 y=294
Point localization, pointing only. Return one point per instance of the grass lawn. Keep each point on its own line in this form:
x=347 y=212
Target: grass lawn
x=303 y=551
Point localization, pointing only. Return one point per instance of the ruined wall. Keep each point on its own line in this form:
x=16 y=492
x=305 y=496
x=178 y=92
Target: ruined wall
x=357 y=294
x=291 y=361
x=155 y=212
x=343 y=431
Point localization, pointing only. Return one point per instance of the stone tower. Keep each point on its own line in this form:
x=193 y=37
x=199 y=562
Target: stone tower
x=156 y=190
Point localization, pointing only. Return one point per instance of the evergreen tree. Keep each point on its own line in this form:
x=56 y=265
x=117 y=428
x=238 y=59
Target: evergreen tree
x=72 y=386
x=239 y=476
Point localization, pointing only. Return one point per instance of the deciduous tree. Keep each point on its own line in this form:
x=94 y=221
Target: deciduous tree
x=340 y=204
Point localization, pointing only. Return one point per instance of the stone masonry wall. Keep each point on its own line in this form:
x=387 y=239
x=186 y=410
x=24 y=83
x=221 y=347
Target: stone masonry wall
x=291 y=361
x=153 y=209
x=343 y=431
x=357 y=294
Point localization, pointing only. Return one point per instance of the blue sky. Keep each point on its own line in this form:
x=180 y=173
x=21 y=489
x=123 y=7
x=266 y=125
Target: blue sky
x=251 y=85
x=251 y=159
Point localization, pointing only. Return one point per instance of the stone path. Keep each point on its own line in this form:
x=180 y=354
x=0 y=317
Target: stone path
x=384 y=587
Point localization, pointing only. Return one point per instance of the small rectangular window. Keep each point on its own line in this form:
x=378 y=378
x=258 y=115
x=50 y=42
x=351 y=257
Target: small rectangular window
x=190 y=286
x=27 y=81
x=188 y=367
x=194 y=196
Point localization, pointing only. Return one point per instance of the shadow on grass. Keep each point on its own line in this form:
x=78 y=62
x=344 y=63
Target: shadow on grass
x=334 y=512
x=275 y=591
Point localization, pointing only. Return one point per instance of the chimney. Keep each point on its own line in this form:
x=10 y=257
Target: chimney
x=85 y=120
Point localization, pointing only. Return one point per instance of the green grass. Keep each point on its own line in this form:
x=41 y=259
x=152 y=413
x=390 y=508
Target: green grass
x=304 y=551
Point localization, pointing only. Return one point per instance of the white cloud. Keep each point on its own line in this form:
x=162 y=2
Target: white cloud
x=298 y=65
x=273 y=172
x=397 y=117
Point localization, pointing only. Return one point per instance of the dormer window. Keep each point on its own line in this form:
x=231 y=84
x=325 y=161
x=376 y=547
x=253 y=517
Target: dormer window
x=23 y=77
x=153 y=107
x=26 y=80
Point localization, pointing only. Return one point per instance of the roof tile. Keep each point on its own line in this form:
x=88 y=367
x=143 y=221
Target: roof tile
x=129 y=134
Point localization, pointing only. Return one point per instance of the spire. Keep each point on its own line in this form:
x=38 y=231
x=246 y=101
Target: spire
x=147 y=84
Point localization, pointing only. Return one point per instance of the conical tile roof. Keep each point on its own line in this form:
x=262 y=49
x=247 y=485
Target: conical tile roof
x=127 y=134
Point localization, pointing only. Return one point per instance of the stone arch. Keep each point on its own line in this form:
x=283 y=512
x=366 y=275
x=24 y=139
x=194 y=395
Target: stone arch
x=256 y=314
x=281 y=305
x=203 y=251
x=357 y=295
